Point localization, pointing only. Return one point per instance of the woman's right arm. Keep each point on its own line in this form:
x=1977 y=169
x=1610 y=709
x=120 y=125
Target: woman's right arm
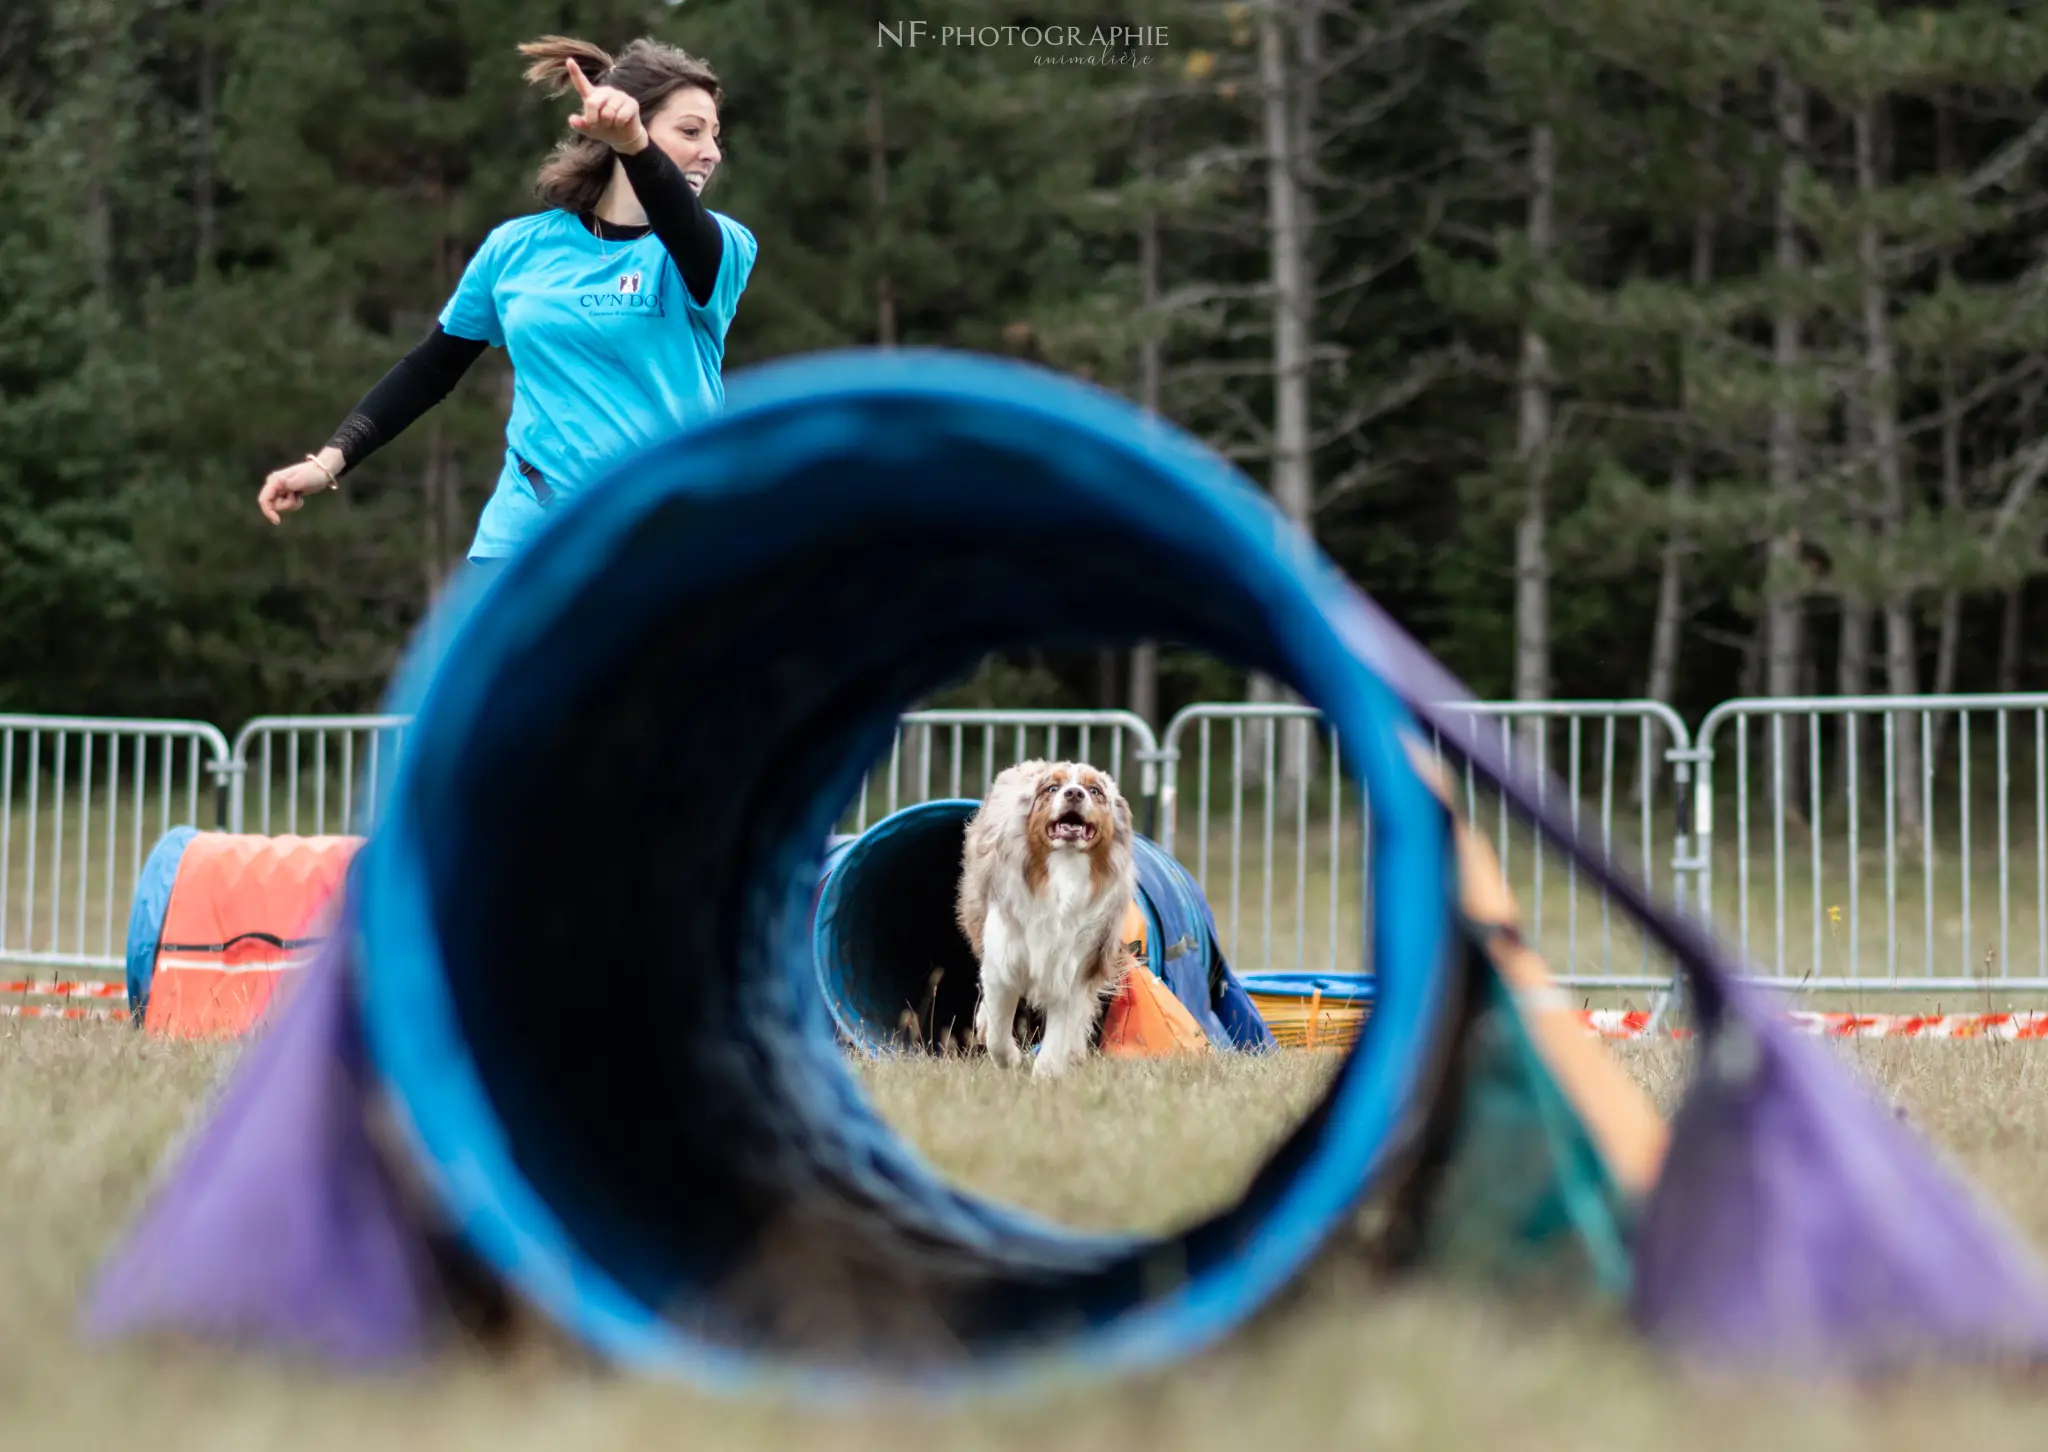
x=414 y=384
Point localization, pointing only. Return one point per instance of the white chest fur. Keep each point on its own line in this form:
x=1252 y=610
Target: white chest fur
x=1059 y=923
x=1069 y=882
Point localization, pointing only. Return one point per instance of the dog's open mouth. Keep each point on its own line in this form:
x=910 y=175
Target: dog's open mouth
x=1069 y=827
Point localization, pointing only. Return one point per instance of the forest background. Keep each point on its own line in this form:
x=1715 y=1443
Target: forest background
x=1621 y=348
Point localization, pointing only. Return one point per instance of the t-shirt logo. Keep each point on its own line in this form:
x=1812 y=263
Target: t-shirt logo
x=627 y=297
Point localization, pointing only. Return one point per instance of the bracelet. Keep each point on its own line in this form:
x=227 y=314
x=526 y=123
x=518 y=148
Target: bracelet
x=332 y=482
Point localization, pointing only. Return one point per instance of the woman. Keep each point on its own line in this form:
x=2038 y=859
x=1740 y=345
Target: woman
x=612 y=304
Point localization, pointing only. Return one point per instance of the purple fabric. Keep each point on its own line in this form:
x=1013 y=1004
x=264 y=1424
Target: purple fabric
x=280 y=1225
x=1799 y=1221
x=1797 y=1224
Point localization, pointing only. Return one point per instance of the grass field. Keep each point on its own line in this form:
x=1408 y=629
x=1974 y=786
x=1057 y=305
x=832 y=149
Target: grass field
x=86 y=1111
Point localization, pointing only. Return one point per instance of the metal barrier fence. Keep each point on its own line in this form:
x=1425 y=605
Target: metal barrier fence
x=82 y=801
x=1932 y=796
x=1904 y=852
x=317 y=774
x=1623 y=763
x=302 y=764
x=963 y=751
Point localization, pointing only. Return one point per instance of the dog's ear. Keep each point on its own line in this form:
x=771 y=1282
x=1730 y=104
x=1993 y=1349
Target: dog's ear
x=1004 y=807
x=1124 y=821
x=1029 y=775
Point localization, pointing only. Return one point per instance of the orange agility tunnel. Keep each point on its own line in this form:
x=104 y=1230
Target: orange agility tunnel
x=219 y=918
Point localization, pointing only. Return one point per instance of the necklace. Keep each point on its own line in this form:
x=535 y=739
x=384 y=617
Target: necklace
x=597 y=226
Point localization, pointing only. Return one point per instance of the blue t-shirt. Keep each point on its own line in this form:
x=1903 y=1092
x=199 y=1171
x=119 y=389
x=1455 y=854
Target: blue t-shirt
x=609 y=351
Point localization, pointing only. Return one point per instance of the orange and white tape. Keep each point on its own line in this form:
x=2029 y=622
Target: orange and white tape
x=40 y=1010
x=104 y=1001
x=1338 y=1022
x=67 y=990
x=1614 y=1023
x=93 y=992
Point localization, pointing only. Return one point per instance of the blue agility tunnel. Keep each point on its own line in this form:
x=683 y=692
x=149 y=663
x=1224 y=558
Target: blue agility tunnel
x=146 y=915
x=629 y=750
x=886 y=943
x=661 y=708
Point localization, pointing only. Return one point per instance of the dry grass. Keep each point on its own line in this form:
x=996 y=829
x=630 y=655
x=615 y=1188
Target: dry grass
x=1069 y=1154
x=85 y=1112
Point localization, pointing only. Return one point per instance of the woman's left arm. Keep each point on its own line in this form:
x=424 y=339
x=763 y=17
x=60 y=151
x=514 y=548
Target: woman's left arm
x=679 y=218
x=682 y=222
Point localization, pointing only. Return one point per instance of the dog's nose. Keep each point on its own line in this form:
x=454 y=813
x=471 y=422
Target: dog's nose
x=1075 y=794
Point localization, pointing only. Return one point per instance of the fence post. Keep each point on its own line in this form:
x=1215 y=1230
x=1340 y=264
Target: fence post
x=1151 y=783
x=1691 y=789
x=1148 y=756
x=1166 y=800
x=1703 y=811
x=1685 y=890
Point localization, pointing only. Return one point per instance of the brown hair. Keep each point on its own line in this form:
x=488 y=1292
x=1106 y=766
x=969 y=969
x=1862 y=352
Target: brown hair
x=576 y=173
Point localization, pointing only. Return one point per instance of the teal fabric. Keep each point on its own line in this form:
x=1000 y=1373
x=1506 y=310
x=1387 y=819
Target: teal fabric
x=1525 y=1198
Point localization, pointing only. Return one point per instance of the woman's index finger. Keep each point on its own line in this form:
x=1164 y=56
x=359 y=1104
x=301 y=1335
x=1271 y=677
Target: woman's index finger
x=576 y=78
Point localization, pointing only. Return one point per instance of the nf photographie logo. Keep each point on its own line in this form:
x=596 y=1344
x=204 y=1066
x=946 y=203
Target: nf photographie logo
x=1085 y=45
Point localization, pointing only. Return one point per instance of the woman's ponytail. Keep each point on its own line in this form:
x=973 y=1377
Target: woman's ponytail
x=551 y=55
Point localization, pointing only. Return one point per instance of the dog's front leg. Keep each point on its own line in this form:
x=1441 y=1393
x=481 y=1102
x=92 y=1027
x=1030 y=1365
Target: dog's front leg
x=1002 y=988
x=1069 y=1025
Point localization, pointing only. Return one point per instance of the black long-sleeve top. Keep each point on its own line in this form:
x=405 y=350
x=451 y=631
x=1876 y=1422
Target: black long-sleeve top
x=426 y=374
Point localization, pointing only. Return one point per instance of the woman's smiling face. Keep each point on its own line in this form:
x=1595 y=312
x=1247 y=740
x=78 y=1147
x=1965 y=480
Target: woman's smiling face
x=686 y=127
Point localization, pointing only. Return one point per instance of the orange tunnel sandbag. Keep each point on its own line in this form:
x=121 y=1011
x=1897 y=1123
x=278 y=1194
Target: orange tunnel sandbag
x=243 y=911
x=1144 y=1020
